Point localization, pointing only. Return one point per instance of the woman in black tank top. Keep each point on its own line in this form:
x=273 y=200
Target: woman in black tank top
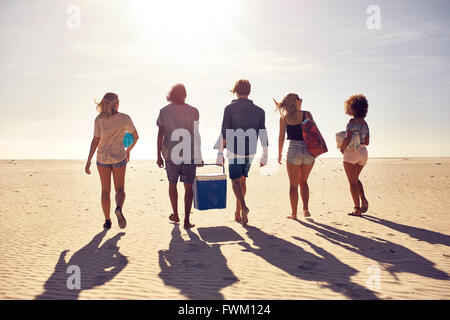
x=294 y=132
x=299 y=161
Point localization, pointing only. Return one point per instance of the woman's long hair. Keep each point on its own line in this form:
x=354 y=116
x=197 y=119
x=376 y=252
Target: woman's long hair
x=108 y=105
x=288 y=104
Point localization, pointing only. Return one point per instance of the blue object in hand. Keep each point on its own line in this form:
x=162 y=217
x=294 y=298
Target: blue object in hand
x=128 y=140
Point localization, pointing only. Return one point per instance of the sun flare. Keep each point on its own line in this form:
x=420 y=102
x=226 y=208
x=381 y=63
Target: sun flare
x=189 y=26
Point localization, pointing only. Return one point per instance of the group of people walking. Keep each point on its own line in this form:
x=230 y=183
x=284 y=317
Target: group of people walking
x=179 y=149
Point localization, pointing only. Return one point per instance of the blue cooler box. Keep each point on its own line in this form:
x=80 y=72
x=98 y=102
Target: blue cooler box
x=210 y=191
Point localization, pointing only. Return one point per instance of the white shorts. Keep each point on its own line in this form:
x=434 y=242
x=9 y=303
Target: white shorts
x=358 y=157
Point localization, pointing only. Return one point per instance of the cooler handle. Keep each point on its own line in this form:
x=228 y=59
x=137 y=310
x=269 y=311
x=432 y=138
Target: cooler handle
x=213 y=164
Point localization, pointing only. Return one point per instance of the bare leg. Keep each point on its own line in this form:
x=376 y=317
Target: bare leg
x=304 y=188
x=105 y=179
x=237 y=214
x=239 y=193
x=361 y=190
x=293 y=173
x=364 y=202
x=188 y=197
x=119 y=185
x=173 y=195
x=352 y=171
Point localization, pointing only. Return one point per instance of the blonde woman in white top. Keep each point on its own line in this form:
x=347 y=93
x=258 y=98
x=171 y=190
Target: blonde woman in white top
x=112 y=157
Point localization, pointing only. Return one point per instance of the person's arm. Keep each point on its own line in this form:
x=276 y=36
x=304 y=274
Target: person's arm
x=226 y=124
x=366 y=141
x=136 y=137
x=264 y=141
x=281 y=138
x=264 y=157
x=160 y=160
x=94 y=145
x=198 y=159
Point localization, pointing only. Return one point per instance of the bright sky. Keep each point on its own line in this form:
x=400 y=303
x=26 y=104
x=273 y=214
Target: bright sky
x=51 y=71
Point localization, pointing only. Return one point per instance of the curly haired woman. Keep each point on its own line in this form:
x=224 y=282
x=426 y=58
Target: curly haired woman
x=354 y=149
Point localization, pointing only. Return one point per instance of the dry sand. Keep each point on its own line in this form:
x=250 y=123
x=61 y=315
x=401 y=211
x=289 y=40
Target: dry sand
x=50 y=219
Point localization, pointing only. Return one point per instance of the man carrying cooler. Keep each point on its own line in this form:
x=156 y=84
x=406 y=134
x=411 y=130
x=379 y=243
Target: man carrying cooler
x=243 y=122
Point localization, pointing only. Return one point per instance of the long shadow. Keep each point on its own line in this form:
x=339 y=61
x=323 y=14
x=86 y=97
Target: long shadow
x=394 y=257
x=294 y=260
x=98 y=265
x=197 y=269
x=219 y=234
x=431 y=237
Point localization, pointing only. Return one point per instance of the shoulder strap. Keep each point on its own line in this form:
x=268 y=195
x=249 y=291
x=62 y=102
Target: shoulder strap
x=305 y=115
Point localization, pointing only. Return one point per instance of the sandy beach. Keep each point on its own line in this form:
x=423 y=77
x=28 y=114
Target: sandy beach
x=51 y=219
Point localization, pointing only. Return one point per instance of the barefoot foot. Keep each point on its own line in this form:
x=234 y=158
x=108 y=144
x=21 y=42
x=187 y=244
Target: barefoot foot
x=293 y=217
x=120 y=218
x=174 y=217
x=188 y=225
x=306 y=213
x=245 y=212
x=365 y=206
x=356 y=213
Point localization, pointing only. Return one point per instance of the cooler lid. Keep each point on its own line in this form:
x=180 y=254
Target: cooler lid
x=210 y=176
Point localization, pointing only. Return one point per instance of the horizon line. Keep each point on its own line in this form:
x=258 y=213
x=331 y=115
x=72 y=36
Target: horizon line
x=154 y=159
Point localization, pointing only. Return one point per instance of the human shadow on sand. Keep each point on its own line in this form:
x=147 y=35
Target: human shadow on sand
x=197 y=269
x=98 y=265
x=431 y=237
x=323 y=268
x=219 y=234
x=393 y=257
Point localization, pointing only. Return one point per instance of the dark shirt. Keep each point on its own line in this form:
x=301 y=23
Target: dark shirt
x=243 y=123
x=294 y=132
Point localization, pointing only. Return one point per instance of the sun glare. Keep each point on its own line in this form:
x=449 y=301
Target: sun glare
x=189 y=25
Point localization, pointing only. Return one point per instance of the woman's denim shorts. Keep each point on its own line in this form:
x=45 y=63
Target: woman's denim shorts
x=298 y=153
x=122 y=163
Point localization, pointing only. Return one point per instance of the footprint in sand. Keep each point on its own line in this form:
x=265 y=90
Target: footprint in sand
x=193 y=247
x=307 y=266
x=199 y=265
x=187 y=263
x=99 y=280
x=191 y=263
